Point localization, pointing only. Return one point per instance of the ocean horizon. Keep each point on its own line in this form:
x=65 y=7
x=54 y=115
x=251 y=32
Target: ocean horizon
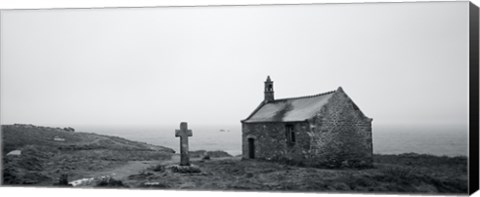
x=434 y=140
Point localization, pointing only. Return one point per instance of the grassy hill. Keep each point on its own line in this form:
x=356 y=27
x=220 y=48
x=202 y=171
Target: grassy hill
x=44 y=159
x=82 y=155
x=17 y=136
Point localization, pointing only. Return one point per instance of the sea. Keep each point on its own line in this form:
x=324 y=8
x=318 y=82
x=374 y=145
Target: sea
x=434 y=140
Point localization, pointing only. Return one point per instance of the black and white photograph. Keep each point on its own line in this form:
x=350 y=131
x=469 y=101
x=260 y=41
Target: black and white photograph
x=368 y=98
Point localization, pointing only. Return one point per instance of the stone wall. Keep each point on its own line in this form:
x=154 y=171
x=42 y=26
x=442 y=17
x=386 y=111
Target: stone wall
x=342 y=134
x=271 y=141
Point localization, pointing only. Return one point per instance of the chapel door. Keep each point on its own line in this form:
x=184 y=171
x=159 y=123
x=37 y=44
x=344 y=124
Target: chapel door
x=251 y=148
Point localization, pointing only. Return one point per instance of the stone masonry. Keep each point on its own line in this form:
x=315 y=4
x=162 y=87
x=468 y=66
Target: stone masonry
x=324 y=130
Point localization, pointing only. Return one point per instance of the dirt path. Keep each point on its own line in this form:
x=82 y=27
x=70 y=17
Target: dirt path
x=123 y=172
x=134 y=167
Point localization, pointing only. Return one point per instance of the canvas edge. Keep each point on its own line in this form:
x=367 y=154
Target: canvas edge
x=474 y=84
x=473 y=163
x=1 y=132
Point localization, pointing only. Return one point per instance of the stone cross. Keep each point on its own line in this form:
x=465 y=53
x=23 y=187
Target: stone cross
x=184 y=133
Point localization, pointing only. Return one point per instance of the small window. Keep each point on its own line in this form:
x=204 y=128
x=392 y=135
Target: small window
x=270 y=88
x=290 y=135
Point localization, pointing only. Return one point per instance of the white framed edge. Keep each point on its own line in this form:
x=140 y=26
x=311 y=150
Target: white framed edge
x=49 y=4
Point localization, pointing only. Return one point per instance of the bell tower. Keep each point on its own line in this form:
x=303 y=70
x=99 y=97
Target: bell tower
x=269 y=90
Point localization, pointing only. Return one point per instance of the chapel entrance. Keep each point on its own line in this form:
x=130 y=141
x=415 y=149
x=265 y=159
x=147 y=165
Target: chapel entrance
x=251 y=148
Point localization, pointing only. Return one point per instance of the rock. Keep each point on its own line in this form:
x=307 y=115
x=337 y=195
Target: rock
x=184 y=169
x=155 y=184
x=210 y=154
x=69 y=129
x=14 y=153
x=159 y=168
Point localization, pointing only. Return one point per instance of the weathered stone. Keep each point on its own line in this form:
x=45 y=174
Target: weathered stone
x=184 y=133
x=338 y=134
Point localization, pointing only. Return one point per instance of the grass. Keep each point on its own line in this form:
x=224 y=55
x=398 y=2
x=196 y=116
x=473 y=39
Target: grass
x=19 y=136
x=387 y=176
x=43 y=160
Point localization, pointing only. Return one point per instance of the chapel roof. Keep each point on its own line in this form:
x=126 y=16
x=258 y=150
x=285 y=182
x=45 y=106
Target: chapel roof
x=290 y=109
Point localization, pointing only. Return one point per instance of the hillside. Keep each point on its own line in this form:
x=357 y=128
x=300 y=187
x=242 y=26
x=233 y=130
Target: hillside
x=46 y=153
x=126 y=163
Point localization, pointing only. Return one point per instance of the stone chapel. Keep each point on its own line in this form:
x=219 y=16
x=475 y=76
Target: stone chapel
x=323 y=130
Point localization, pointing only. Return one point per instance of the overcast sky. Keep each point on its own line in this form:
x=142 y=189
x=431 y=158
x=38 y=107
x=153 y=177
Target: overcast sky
x=402 y=63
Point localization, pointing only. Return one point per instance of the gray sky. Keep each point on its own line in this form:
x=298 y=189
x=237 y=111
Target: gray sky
x=401 y=63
